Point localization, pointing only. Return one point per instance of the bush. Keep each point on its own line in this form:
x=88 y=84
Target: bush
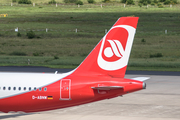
x=14 y=1
x=70 y=1
x=79 y=2
x=167 y=2
x=24 y=2
x=143 y=40
x=38 y=37
x=145 y=2
x=36 y=54
x=123 y=1
x=56 y=57
x=52 y=2
x=174 y=2
x=156 y=55
x=130 y=2
x=19 y=34
x=31 y=34
x=160 y=6
x=152 y=3
x=155 y=1
x=162 y=0
x=91 y=1
x=105 y=1
x=18 y=53
x=139 y=4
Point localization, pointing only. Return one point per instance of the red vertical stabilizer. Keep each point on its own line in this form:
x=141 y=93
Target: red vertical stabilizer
x=110 y=56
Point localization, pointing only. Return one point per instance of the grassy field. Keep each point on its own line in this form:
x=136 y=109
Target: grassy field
x=47 y=1
x=59 y=1
x=71 y=48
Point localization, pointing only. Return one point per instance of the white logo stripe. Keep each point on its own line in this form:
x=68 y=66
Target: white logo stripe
x=120 y=47
x=113 y=46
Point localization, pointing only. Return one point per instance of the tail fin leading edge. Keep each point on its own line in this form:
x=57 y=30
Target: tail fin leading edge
x=111 y=55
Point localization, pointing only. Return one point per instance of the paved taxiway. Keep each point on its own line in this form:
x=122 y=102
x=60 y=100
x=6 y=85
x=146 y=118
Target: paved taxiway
x=160 y=101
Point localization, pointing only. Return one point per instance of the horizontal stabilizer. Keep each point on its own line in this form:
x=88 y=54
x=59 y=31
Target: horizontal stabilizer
x=141 y=78
x=107 y=87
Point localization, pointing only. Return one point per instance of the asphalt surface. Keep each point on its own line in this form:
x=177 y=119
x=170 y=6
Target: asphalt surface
x=160 y=101
x=31 y=69
x=51 y=70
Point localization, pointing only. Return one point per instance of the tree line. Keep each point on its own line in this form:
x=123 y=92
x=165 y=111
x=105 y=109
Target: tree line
x=128 y=2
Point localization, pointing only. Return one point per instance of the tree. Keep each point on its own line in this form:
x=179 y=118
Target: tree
x=79 y=2
x=91 y=1
x=24 y=2
x=70 y=1
x=167 y=2
x=145 y=2
x=130 y=2
x=123 y=1
x=14 y=1
x=52 y=2
x=105 y=1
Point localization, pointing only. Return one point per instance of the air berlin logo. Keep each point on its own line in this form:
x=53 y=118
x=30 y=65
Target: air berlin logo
x=115 y=48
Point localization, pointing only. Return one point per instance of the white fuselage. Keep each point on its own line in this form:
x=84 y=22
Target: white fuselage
x=17 y=83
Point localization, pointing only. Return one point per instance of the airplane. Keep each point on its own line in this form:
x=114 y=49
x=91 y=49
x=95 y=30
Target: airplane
x=100 y=76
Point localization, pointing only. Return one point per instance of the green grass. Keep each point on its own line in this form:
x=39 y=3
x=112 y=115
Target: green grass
x=91 y=22
x=62 y=62
x=47 y=1
x=58 y=1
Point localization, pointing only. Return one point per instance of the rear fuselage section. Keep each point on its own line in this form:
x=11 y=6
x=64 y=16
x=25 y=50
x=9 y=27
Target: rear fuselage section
x=59 y=93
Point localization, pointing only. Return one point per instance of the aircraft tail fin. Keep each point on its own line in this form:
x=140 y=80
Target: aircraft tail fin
x=110 y=56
